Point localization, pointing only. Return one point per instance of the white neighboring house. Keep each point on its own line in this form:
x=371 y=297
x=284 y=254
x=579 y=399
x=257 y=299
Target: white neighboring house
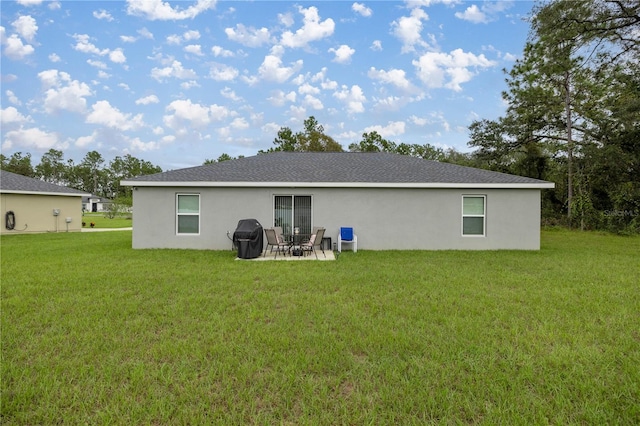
x=393 y=202
x=95 y=203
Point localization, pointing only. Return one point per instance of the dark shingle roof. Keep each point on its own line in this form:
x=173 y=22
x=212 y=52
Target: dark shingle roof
x=11 y=182
x=333 y=168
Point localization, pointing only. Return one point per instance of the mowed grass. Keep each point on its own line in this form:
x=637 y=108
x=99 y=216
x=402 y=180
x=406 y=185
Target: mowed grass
x=94 y=332
x=102 y=221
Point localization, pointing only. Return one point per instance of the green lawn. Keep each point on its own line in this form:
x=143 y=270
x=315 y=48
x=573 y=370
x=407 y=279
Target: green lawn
x=102 y=221
x=94 y=332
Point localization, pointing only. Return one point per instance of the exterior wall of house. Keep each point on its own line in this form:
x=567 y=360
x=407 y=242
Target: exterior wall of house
x=34 y=213
x=383 y=219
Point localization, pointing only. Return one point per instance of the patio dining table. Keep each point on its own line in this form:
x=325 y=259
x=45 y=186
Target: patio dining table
x=295 y=243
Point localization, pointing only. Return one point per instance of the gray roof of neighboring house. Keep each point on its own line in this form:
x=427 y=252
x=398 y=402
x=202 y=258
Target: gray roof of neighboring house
x=14 y=183
x=333 y=169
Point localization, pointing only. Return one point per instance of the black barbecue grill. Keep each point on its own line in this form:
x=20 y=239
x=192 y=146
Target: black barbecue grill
x=248 y=238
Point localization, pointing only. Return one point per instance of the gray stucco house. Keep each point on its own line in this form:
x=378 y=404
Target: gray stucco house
x=393 y=202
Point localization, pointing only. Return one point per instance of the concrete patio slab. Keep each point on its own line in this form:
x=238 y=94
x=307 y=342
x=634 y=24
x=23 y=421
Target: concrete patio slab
x=272 y=256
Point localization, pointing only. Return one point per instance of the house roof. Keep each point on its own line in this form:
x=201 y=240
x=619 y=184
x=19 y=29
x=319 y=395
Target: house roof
x=335 y=169
x=12 y=183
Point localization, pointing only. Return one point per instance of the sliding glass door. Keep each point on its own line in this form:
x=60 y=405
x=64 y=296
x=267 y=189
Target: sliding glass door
x=293 y=211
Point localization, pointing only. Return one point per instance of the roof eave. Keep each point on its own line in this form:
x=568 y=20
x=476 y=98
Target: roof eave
x=433 y=185
x=65 y=194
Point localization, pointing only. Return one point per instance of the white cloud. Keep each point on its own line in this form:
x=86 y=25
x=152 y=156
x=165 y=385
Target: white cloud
x=174 y=39
x=306 y=89
x=13 y=98
x=271 y=69
x=137 y=145
x=218 y=112
x=250 y=37
x=286 y=19
x=279 y=98
x=219 y=51
x=325 y=83
x=54 y=58
x=352 y=97
x=84 y=45
x=449 y=70
x=104 y=114
x=312 y=29
x=194 y=49
x=26 y=27
x=145 y=33
x=128 y=39
x=102 y=14
x=343 y=54
x=408 y=29
x=361 y=9
x=85 y=141
x=230 y=94
x=376 y=45
x=62 y=93
x=182 y=112
x=472 y=14
x=151 y=99
x=222 y=72
x=162 y=11
x=394 y=128
x=11 y=115
x=176 y=70
x=191 y=35
x=30 y=2
x=395 y=77
x=117 y=56
x=312 y=102
x=98 y=64
x=14 y=48
x=186 y=85
x=239 y=123
x=31 y=138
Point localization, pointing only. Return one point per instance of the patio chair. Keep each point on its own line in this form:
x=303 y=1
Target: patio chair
x=272 y=240
x=279 y=234
x=346 y=236
x=315 y=241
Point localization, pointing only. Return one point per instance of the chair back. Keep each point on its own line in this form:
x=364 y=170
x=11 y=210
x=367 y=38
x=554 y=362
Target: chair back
x=319 y=236
x=278 y=231
x=271 y=236
x=346 y=234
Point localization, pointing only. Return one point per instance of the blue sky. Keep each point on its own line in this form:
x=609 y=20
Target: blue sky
x=178 y=82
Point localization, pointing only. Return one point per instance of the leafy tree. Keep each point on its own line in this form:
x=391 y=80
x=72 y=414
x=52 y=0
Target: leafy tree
x=18 y=164
x=311 y=139
x=373 y=142
x=223 y=157
x=91 y=174
x=52 y=167
x=572 y=102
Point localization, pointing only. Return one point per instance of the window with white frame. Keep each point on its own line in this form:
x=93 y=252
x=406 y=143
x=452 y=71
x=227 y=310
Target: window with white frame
x=188 y=214
x=473 y=215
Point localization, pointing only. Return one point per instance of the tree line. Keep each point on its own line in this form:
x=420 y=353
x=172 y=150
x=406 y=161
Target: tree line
x=92 y=174
x=573 y=118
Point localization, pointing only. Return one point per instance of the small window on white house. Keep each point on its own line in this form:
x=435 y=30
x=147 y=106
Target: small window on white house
x=473 y=215
x=188 y=214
